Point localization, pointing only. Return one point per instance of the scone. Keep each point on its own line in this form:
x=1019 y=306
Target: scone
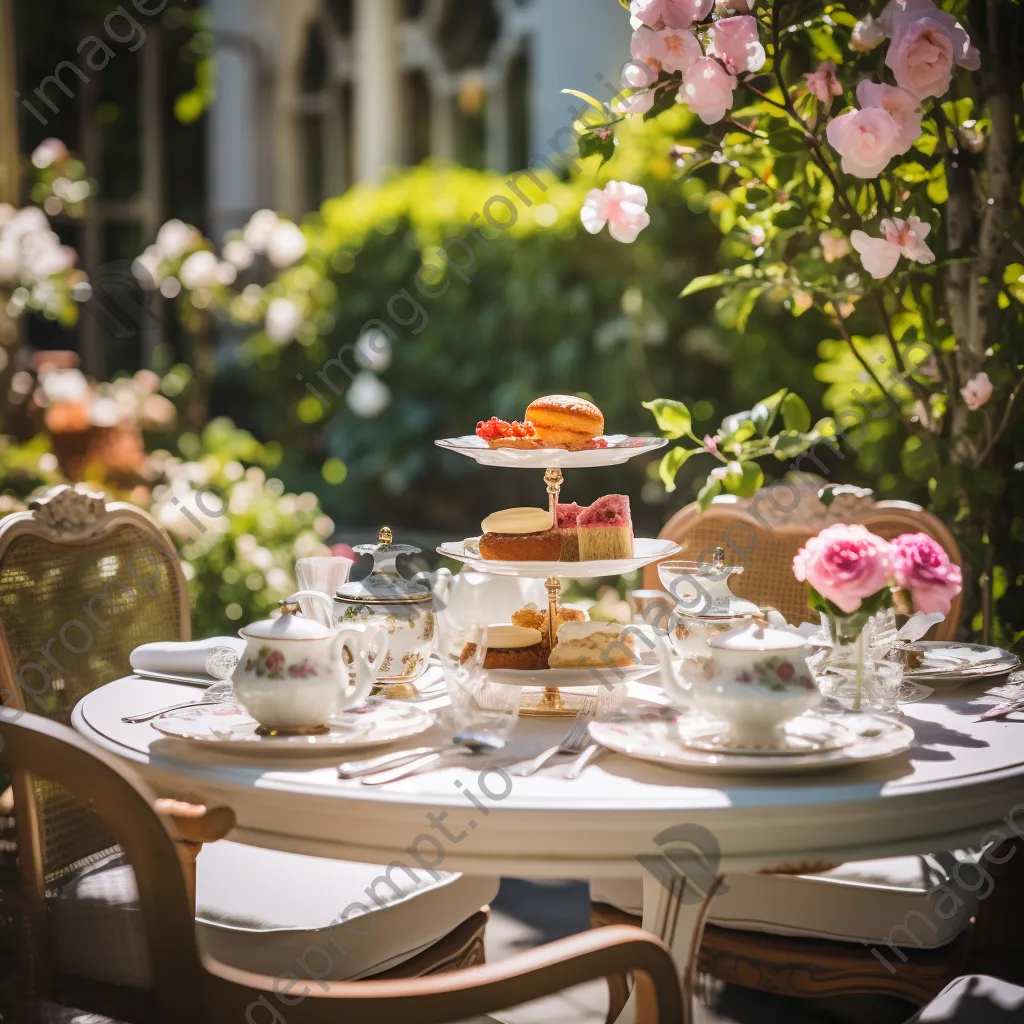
x=508 y=646
x=520 y=535
x=565 y=419
x=592 y=645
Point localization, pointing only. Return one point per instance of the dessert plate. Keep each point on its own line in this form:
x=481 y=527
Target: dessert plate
x=645 y=550
x=569 y=677
x=229 y=728
x=653 y=735
x=947 y=664
x=621 y=448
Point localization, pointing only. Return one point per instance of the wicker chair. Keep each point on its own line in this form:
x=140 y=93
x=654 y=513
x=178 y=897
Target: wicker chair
x=193 y=986
x=82 y=583
x=763 y=533
x=812 y=956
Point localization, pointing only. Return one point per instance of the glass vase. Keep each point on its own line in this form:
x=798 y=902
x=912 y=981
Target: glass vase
x=856 y=671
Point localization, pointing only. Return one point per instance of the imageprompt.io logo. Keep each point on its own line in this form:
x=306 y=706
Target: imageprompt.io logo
x=687 y=852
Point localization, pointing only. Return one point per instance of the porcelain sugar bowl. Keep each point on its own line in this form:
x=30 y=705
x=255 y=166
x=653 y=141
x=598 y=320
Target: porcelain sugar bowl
x=704 y=604
x=296 y=672
x=755 y=680
x=402 y=608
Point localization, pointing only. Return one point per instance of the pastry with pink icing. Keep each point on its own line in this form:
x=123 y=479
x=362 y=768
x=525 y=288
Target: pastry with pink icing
x=605 y=530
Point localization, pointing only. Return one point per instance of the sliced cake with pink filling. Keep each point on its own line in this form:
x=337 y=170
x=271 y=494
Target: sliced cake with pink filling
x=605 y=530
x=566 y=517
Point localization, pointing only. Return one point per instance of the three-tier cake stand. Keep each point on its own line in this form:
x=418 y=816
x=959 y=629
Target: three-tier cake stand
x=550 y=700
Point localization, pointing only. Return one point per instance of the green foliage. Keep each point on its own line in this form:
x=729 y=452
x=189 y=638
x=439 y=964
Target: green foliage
x=899 y=354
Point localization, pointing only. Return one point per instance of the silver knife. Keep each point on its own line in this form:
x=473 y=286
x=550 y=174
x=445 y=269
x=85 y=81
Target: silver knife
x=369 y=765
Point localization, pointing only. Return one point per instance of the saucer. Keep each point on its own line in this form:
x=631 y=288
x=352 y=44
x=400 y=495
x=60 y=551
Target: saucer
x=806 y=734
x=228 y=727
x=950 y=663
x=653 y=735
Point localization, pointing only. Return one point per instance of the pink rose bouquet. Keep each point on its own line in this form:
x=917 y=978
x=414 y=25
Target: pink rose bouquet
x=847 y=568
x=922 y=568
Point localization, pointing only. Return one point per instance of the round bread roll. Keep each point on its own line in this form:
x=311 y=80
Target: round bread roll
x=565 y=419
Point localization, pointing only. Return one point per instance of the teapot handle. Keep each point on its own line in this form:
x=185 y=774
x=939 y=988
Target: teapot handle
x=358 y=644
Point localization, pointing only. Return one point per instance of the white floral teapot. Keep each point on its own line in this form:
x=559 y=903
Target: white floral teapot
x=296 y=672
x=754 y=679
x=403 y=609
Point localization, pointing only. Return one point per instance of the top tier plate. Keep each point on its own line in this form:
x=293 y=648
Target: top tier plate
x=620 y=449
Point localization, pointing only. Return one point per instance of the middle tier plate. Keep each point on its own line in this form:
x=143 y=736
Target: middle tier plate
x=645 y=551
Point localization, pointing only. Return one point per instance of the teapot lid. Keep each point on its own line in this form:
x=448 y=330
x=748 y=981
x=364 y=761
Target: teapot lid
x=291 y=624
x=385 y=584
x=755 y=637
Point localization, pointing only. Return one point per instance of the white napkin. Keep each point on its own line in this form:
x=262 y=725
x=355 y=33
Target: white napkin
x=215 y=657
x=917 y=625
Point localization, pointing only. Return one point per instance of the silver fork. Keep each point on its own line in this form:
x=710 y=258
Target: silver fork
x=221 y=696
x=572 y=743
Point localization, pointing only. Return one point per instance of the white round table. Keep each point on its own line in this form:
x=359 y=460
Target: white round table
x=961 y=781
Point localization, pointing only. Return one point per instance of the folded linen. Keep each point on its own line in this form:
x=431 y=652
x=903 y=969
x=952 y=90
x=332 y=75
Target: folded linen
x=215 y=657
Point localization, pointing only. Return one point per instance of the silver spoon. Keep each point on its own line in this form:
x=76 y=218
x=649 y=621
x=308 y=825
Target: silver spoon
x=463 y=743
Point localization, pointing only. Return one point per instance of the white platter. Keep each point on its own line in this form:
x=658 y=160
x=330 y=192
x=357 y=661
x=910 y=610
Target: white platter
x=226 y=727
x=621 y=448
x=948 y=664
x=653 y=736
x=569 y=678
x=645 y=551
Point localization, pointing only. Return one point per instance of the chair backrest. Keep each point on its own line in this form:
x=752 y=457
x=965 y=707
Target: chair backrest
x=37 y=747
x=82 y=583
x=763 y=534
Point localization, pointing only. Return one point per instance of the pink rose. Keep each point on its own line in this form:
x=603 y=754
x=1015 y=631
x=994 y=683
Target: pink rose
x=977 y=391
x=866 y=35
x=922 y=568
x=671 y=49
x=879 y=256
x=845 y=564
x=621 y=206
x=735 y=43
x=670 y=13
x=911 y=51
x=903 y=107
x=707 y=89
x=833 y=247
x=823 y=83
x=866 y=139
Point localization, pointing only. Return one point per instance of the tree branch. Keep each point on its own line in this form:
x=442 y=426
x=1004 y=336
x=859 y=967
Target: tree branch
x=844 y=331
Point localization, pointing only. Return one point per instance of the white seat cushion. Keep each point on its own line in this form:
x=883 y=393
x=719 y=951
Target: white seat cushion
x=269 y=912
x=916 y=902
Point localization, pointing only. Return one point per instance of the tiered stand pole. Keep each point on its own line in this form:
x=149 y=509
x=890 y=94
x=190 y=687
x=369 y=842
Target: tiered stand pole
x=552 y=698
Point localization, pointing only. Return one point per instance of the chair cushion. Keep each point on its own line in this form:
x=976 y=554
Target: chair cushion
x=269 y=912
x=974 y=999
x=274 y=912
x=917 y=902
